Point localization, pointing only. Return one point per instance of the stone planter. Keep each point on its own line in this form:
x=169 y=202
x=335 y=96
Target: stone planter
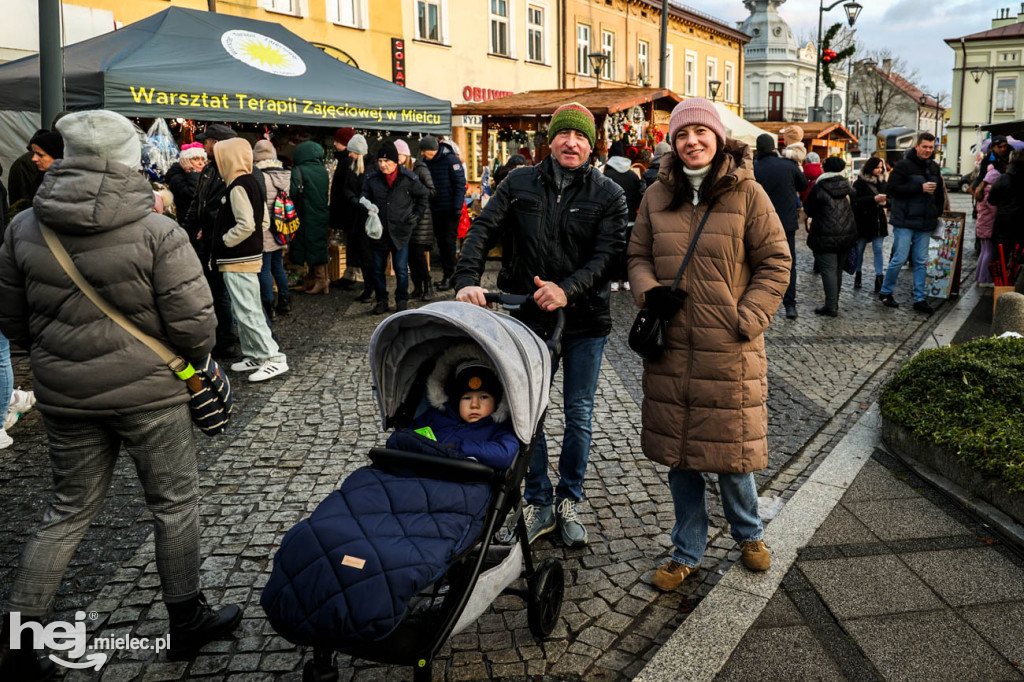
x=991 y=490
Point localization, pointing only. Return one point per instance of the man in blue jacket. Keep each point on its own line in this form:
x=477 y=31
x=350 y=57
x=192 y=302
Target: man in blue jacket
x=446 y=207
x=918 y=199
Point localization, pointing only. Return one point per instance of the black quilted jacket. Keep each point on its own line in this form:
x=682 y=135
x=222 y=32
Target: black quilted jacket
x=574 y=239
x=833 y=227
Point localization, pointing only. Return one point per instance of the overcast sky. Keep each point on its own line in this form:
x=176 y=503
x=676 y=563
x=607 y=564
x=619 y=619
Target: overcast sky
x=912 y=29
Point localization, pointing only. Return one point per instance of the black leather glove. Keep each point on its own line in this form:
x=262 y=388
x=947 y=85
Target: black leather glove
x=664 y=301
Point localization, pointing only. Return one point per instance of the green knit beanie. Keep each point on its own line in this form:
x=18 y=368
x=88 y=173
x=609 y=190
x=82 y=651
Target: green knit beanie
x=573 y=116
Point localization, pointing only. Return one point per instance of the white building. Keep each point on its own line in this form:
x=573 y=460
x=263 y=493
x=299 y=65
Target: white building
x=779 y=81
x=987 y=79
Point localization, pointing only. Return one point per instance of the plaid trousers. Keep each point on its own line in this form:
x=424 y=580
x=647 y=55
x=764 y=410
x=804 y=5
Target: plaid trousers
x=83 y=453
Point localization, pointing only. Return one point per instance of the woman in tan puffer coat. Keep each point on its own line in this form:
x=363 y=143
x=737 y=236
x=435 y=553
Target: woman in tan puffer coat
x=705 y=400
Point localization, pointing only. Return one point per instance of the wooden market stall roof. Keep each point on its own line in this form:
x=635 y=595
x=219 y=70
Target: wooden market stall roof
x=600 y=101
x=812 y=130
x=819 y=137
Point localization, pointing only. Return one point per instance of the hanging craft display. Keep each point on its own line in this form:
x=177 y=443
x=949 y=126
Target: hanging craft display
x=828 y=57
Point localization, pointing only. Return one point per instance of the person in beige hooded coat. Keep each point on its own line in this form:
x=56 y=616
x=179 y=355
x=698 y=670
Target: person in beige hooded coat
x=238 y=253
x=705 y=400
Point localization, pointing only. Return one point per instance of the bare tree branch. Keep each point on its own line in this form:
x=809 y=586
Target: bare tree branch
x=872 y=93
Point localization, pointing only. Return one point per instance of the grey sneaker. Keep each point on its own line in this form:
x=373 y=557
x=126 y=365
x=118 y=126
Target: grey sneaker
x=574 y=534
x=539 y=520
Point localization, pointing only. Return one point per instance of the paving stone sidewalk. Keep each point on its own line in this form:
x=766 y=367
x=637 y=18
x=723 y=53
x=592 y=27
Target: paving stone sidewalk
x=898 y=583
x=296 y=438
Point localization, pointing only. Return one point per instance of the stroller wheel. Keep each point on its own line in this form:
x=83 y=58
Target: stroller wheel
x=547 y=587
x=321 y=668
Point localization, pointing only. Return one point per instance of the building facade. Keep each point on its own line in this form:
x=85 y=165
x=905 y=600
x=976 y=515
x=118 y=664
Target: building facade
x=701 y=49
x=987 y=77
x=780 y=75
x=355 y=31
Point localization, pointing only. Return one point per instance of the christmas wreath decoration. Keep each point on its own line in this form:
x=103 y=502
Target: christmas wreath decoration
x=828 y=56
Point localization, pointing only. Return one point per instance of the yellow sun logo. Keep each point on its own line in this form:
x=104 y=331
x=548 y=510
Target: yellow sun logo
x=267 y=54
x=263 y=53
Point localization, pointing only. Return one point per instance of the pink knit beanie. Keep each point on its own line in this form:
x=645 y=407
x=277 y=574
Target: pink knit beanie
x=402 y=147
x=695 y=111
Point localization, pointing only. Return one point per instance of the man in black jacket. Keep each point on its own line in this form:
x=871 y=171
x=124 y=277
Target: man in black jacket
x=446 y=207
x=918 y=197
x=562 y=225
x=781 y=179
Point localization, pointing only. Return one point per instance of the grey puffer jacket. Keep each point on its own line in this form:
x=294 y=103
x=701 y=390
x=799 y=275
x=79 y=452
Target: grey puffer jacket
x=140 y=262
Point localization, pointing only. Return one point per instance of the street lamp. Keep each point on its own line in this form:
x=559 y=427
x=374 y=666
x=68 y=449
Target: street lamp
x=923 y=99
x=598 y=60
x=853 y=9
x=979 y=71
x=713 y=86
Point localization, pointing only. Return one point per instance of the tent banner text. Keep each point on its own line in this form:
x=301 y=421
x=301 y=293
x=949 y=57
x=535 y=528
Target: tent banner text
x=193 y=104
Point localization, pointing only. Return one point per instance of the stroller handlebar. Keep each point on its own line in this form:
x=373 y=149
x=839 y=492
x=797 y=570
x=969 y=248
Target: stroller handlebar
x=517 y=301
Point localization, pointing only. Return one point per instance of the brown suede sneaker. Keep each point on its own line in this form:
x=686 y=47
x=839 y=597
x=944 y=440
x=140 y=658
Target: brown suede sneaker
x=671 y=575
x=755 y=555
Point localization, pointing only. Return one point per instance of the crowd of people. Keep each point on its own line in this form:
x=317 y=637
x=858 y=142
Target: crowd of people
x=573 y=233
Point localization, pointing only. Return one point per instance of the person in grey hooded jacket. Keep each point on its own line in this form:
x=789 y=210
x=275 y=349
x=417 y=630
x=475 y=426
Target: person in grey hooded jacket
x=97 y=387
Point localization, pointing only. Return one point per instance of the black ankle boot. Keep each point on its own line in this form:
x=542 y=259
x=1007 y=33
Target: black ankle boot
x=284 y=305
x=194 y=624
x=417 y=291
x=268 y=308
x=428 y=291
x=856 y=280
x=878 y=283
x=366 y=296
x=24 y=663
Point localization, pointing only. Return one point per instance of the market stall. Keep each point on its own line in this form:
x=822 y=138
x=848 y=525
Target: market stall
x=826 y=139
x=637 y=113
x=194 y=65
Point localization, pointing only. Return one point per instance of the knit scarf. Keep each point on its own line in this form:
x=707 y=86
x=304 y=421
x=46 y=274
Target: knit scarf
x=390 y=177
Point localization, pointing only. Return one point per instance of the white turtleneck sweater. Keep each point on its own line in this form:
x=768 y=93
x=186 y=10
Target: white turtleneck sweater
x=696 y=178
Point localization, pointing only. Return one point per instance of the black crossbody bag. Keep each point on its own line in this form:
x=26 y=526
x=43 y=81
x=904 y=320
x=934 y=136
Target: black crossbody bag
x=647 y=335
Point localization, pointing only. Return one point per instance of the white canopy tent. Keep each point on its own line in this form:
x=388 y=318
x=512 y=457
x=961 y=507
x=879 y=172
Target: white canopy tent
x=739 y=128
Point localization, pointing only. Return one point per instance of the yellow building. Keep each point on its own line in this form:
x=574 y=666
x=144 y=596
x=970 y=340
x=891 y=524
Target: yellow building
x=701 y=48
x=478 y=50
x=356 y=31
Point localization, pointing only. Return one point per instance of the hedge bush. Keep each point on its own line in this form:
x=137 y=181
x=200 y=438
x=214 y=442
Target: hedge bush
x=969 y=400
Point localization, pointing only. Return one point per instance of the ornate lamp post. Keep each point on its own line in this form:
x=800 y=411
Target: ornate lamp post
x=597 y=61
x=853 y=9
x=713 y=86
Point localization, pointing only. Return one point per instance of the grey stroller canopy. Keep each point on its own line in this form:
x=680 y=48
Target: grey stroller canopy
x=402 y=343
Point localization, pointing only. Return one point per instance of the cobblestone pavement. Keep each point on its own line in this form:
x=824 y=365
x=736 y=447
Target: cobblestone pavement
x=294 y=439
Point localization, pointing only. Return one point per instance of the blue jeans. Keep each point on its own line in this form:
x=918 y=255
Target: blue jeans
x=400 y=261
x=912 y=243
x=6 y=375
x=690 y=534
x=876 y=250
x=273 y=271
x=579 y=384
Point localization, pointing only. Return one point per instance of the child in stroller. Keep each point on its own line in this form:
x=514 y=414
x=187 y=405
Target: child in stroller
x=405 y=553
x=467 y=417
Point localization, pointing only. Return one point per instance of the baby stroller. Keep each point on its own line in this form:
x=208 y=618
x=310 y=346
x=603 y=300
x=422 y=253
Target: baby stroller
x=406 y=553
